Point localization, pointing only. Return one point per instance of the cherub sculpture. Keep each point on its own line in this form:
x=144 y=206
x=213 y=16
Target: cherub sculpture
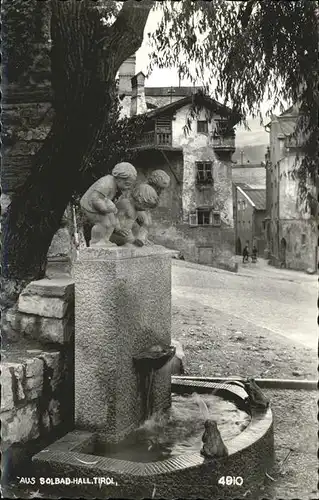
x=141 y=198
x=158 y=180
x=97 y=204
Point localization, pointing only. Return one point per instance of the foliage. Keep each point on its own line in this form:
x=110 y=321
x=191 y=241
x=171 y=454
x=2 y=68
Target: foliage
x=19 y=33
x=255 y=50
x=115 y=146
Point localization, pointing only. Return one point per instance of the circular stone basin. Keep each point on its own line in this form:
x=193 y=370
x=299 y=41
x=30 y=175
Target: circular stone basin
x=166 y=461
x=179 y=430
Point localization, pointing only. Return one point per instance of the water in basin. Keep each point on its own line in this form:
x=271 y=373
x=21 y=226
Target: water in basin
x=179 y=430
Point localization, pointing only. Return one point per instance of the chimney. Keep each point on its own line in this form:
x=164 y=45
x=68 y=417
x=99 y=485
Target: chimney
x=138 y=103
x=242 y=157
x=126 y=72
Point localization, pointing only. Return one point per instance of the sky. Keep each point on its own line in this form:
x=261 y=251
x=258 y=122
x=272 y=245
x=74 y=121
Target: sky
x=168 y=76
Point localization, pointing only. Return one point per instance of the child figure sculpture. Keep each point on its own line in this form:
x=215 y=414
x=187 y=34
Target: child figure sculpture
x=97 y=204
x=141 y=198
x=158 y=180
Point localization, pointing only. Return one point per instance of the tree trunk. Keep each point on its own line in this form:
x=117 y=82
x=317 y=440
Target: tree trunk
x=85 y=58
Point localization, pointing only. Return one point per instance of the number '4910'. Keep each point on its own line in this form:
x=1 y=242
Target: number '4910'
x=231 y=481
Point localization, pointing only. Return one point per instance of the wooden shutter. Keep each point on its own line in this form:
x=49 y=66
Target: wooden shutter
x=216 y=219
x=192 y=219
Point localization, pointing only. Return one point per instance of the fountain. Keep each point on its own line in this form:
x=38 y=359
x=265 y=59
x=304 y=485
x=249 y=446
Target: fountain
x=140 y=433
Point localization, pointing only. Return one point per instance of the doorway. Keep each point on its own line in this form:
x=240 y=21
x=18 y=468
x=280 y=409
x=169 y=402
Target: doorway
x=283 y=249
x=238 y=247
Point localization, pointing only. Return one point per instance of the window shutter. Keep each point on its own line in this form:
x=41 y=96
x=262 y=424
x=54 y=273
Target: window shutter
x=216 y=219
x=192 y=219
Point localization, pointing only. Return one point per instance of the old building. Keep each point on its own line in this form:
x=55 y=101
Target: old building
x=290 y=226
x=250 y=214
x=195 y=216
x=252 y=176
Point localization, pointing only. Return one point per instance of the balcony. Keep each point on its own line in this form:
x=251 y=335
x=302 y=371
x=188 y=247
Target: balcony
x=221 y=143
x=155 y=138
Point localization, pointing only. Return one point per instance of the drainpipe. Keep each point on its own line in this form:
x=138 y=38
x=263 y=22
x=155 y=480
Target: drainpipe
x=266 y=383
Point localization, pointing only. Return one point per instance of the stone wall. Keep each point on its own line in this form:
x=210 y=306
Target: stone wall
x=212 y=246
x=300 y=237
x=37 y=369
x=26 y=118
x=36 y=385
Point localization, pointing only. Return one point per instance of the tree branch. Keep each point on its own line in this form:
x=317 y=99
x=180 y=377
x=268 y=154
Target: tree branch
x=128 y=30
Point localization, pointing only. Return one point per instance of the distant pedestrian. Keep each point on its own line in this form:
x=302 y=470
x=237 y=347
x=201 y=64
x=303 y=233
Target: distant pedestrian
x=254 y=254
x=245 y=254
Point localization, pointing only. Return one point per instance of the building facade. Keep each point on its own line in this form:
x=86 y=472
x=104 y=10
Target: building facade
x=290 y=225
x=250 y=214
x=195 y=216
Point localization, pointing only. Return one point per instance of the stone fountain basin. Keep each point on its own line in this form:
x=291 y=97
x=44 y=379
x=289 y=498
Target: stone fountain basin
x=190 y=475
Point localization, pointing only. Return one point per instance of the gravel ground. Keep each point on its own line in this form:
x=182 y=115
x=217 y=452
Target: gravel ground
x=295 y=474
x=217 y=344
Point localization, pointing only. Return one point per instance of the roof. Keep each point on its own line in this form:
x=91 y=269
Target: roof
x=287 y=120
x=292 y=111
x=288 y=125
x=257 y=197
x=242 y=185
x=198 y=99
x=177 y=91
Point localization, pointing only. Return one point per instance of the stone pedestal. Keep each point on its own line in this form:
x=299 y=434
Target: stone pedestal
x=122 y=307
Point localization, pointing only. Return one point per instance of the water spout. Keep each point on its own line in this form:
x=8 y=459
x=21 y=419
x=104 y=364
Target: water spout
x=203 y=408
x=213 y=445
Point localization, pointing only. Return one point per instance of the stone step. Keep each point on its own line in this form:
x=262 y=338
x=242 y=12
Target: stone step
x=47 y=297
x=43 y=329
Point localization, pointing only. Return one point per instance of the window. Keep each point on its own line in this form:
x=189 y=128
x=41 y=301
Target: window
x=202 y=126
x=203 y=217
x=244 y=204
x=303 y=239
x=204 y=172
x=238 y=204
